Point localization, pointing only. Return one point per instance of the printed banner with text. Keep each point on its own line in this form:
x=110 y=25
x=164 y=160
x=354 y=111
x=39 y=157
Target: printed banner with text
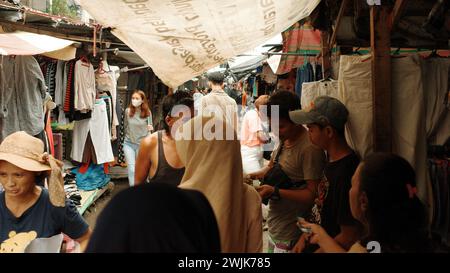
x=181 y=39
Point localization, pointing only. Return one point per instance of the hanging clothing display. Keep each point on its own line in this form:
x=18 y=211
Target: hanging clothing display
x=436 y=78
x=98 y=128
x=408 y=119
x=312 y=90
x=59 y=82
x=305 y=73
x=84 y=86
x=109 y=109
x=22 y=94
x=106 y=78
x=61 y=101
x=318 y=72
x=59 y=94
x=50 y=77
x=439 y=173
x=43 y=137
x=53 y=71
x=267 y=75
x=408 y=110
x=300 y=37
x=103 y=80
x=80 y=91
x=255 y=88
x=73 y=86
x=48 y=107
x=115 y=75
x=121 y=136
x=355 y=91
x=68 y=98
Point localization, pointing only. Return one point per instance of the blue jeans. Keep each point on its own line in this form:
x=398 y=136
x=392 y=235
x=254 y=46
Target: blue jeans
x=131 y=151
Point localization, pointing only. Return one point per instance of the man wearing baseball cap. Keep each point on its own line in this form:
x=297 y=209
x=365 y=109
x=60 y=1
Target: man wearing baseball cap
x=326 y=119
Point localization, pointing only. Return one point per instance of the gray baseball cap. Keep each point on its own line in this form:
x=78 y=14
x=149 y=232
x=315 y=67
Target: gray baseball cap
x=323 y=111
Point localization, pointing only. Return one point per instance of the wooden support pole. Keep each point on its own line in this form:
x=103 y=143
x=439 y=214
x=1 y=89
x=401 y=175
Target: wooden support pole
x=326 y=55
x=338 y=22
x=381 y=77
x=397 y=12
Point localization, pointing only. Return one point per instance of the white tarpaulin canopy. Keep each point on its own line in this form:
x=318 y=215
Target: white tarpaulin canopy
x=181 y=39
x=25 y=43
x=254 y=58
x=274 y=62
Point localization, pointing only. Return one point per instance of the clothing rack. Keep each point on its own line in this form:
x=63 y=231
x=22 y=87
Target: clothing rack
x=126 y=69
x=289 y=54
x=114 y=50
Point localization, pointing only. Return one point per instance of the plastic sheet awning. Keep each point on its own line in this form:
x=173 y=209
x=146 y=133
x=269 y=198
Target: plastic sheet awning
x=25 y=43
x=181 y=39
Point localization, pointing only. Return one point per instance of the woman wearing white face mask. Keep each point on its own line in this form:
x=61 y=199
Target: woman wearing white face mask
x=138 y=124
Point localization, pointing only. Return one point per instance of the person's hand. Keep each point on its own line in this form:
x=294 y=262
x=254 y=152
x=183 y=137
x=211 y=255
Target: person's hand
x=265 y=191
x=317 y=235
x=150 y=128
x=248 y=180
x=301 y=244
x=256 y=176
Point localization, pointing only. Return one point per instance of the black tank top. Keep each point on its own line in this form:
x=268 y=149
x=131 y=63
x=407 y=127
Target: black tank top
x=164 y=172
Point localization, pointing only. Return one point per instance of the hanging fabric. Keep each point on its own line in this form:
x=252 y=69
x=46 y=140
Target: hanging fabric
x=121 y=156
x=98 y=128
x=297 y=39
x=84 y=86
x=408 y=111
x=312 y=90
x=304 y=74
x=435 y=73
x=255 y=88
x=318 y=72
x=22 y=95
x=439 y=169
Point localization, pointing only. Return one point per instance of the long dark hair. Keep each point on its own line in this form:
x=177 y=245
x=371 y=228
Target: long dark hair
x=145 y=109
x=396 y=217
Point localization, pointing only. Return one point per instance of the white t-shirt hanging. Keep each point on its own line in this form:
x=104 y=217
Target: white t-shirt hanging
x=84 y=86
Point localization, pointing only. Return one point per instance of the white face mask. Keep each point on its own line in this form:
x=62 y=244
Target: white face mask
x=136 y=103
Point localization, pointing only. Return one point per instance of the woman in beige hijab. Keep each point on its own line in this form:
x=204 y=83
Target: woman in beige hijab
x=214 y=167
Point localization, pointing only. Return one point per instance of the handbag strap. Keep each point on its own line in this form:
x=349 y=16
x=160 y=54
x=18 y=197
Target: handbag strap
x=277 y=157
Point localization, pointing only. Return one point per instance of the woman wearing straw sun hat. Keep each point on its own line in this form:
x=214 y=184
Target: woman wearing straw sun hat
x=26 y=207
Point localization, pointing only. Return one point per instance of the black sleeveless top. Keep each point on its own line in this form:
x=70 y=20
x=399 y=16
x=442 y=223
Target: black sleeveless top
x=164 y=172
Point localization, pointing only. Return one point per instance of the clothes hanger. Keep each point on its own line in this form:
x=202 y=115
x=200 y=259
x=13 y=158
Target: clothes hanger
x=84 y=61
x=434 y=54
x=328 y=79
x=396 y=54
x=102 y=66
x=356 y=51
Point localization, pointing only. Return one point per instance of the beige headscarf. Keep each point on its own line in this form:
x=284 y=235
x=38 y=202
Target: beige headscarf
x=27 y=153
x=214 y=167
